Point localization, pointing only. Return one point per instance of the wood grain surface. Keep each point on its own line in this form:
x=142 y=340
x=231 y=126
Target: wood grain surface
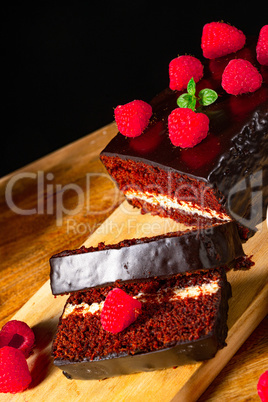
x=27 y=242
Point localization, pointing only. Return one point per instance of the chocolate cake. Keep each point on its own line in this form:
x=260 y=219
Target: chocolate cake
x=224 y=176
x=164 y=255
x=176 y=282
x=183 y=319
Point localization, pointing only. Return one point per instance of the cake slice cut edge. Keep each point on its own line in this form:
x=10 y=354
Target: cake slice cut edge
x=183 y=320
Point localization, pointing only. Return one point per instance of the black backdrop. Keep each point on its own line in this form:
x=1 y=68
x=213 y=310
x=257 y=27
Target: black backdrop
x=65 y=67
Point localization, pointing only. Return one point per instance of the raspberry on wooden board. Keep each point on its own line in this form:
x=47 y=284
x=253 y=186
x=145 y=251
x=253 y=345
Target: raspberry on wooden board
x=14 y=372
x=18 y=335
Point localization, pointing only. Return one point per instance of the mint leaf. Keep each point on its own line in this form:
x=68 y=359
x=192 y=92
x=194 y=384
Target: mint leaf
x=186 y=100
x=191 y=87
x=207 y=96
x=192 y=104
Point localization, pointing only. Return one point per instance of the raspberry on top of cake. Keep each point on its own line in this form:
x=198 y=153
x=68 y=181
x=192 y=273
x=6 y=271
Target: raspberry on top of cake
x=209 y=163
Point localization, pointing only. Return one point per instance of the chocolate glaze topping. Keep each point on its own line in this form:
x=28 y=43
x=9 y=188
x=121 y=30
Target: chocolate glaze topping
x=144 y=258
x=235 y=148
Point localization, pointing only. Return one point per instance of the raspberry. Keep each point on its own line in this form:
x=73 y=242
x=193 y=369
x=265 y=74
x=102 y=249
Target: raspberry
x=182 y=69
x=219 y=39
x=187 y=128
x=240 y=76
x=262 y=387
x=119 y=311
x=133 y=117
x=14 y=372
x=18 y=335
x=262 y=46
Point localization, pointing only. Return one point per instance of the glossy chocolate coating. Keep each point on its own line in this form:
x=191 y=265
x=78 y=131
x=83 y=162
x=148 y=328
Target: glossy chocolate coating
x=232 y=159
x=144 y=258
x=113 y=366
x=190 y=351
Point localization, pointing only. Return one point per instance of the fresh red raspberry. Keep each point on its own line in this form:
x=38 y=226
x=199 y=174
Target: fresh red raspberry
x=187 y=128
x=262 y=387
x=18 y=335
x=219 y=39
x=262 y=46
x=182 y=69
x=14 y=371
x=240 y=76
x=119 y=311
x=133 y=117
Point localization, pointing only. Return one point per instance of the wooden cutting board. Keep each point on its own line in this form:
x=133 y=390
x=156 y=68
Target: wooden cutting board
x=247 y=307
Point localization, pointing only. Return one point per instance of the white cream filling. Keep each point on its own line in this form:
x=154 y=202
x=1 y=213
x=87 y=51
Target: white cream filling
x=168 y=202
x=178 y=293
x=82 y=308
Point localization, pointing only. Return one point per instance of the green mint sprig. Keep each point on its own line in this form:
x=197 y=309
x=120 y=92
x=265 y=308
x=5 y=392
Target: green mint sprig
x=205 y=97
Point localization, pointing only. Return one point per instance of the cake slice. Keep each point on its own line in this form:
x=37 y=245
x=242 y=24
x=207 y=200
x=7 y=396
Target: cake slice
x=162 y=255
x=183 y=319
x=223 y=177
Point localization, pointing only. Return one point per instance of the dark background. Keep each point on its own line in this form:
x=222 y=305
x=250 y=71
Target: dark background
x=65 y=67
